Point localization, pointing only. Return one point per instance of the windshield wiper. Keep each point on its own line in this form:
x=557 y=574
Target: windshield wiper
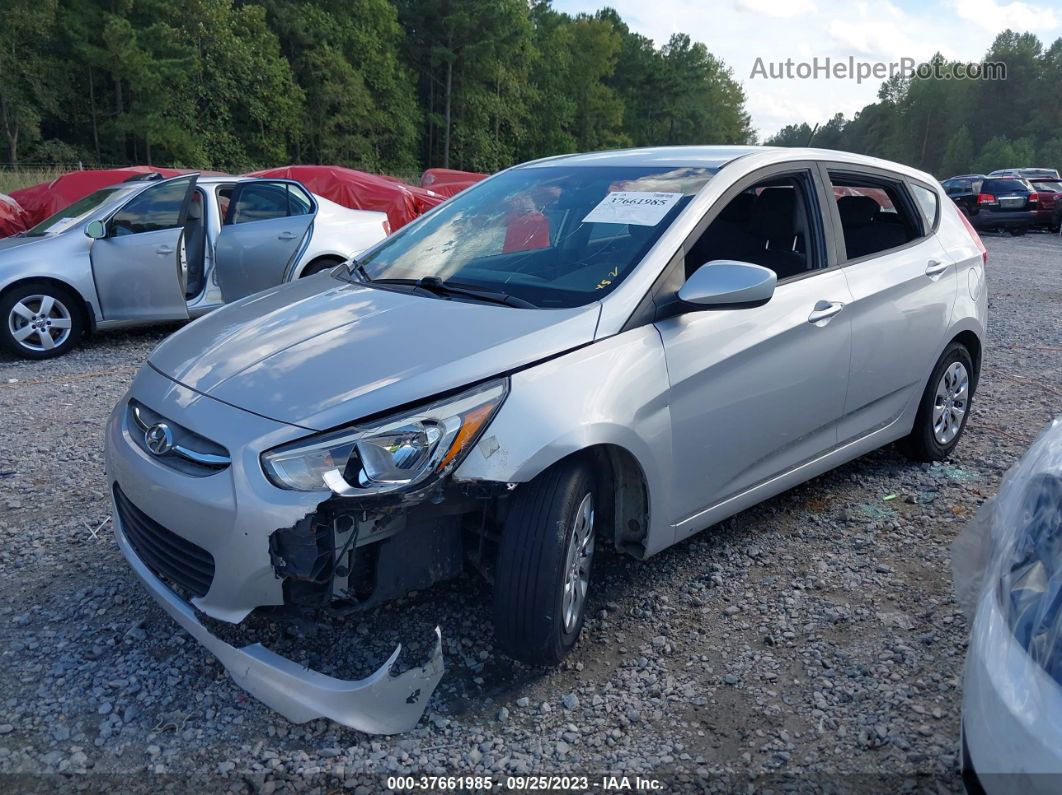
x=357 y=270
x=438 y=287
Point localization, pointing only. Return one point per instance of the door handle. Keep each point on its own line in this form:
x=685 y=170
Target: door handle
x=164 y=250
x=936 y=267
x=286 y=236
x=824 y=310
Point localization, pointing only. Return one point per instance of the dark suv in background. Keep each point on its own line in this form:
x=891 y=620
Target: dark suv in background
x=999 y=203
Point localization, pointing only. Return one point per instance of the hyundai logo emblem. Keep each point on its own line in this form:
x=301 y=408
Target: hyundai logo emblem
x=159 y=439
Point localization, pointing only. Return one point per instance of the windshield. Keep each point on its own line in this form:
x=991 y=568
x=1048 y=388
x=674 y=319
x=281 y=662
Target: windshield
x=69 y=216
x=551 y=236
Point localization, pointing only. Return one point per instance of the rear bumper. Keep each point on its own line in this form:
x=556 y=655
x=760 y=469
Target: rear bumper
x=987 y=219
x=379 y=704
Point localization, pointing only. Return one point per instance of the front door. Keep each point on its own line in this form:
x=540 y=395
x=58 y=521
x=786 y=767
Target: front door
x=265 y=227
x=758 y=391
x=137 y=265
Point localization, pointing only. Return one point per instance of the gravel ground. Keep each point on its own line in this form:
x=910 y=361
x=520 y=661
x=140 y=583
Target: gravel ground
x=813 y=637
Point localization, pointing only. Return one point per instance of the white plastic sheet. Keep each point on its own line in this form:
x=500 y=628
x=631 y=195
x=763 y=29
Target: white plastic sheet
x=1010 y=557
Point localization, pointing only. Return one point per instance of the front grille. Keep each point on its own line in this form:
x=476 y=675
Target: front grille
x=167 y=554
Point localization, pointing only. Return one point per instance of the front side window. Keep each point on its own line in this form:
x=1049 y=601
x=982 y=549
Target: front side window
x=773 y=223
x=876 y=215
x=551 y=236
x=158 y=207
x=71 y=215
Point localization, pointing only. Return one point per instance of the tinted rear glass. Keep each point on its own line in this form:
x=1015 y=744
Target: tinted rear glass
x=1004 y=186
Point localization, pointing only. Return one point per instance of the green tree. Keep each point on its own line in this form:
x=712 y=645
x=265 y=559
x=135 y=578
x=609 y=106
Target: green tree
x=27 y=93
x=958 y=154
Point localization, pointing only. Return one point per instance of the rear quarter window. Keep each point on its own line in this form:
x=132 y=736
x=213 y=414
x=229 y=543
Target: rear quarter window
x=928 y=205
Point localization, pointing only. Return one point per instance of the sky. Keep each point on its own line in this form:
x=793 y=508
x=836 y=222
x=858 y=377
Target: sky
x=740 y=31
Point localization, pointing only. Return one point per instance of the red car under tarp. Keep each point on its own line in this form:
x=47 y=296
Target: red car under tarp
x=12 y=217
x=47 y=198
x=434 y=178
x=360 y=191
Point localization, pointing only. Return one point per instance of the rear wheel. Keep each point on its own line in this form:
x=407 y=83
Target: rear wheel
x=945 y=406
x=1018 y=231
x=40 y=320
x=542 y=578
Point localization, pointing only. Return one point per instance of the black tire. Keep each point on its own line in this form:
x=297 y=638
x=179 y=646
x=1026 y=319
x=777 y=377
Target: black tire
x=66 y=309
x=1018 y=231
x=533 y=564
x=318 y=265
x=923 y=443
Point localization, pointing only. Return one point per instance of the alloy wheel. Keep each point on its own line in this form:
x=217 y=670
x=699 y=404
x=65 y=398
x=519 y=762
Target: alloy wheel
x=951 y=402
x=577 y=565
x=40 y=323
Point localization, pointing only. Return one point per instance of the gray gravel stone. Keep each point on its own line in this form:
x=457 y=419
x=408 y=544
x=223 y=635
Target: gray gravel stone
x=807 y=578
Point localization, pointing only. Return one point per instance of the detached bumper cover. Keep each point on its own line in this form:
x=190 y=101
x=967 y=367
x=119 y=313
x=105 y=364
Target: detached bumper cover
x=379 y=704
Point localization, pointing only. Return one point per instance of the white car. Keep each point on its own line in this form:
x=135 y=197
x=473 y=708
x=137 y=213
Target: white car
x=1011 y=559
x=150 y=250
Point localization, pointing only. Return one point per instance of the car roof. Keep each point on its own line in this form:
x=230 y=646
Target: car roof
x=715 y=157
x=678 y=156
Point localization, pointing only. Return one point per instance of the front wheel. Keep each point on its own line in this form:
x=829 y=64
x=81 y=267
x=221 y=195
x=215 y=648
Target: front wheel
x=542 y=578
x=945 y=406
x=40 y=321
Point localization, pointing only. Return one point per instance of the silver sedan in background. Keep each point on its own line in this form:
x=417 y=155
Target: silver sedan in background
x=154 y=250
x=617 y=348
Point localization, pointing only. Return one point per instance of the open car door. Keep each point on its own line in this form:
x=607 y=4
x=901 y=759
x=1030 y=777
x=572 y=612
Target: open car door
x=137 y=263
x=266 y=226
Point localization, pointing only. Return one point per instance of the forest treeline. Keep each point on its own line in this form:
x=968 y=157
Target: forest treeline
x=383 y=85
x=947 y=126
x=398 y=85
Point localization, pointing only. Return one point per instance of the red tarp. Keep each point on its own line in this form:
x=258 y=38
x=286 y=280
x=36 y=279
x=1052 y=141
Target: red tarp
x=360 y=191
x=12 y=217
x=46 y=199
x=435 y=177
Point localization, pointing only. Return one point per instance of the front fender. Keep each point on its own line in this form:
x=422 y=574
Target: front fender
x=612 y=392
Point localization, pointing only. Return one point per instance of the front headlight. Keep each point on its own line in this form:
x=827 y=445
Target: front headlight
x=396 y=453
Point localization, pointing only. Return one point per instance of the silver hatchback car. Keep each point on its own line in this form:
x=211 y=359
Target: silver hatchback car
x=618 y=348
x=148 y=250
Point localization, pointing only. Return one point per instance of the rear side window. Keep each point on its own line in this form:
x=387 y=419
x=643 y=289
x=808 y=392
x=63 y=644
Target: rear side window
x=928 y=204
x=261 y=201
x=876 y=215
x=156 y=208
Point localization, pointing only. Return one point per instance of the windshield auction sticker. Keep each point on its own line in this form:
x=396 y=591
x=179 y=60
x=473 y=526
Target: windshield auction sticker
x=632 y=207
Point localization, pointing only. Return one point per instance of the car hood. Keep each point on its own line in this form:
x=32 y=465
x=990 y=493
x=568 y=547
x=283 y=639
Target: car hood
x=317 y=353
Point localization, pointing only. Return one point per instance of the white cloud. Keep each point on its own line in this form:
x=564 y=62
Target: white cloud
x=996 y=17
x=778 y=8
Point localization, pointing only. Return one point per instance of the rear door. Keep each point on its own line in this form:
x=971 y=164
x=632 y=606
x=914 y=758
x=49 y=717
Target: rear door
x=137 y=266
x=267 y=224
x=903 y=288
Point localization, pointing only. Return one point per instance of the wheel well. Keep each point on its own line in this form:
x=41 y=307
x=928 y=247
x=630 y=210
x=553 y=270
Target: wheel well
x=309 y=266
x=628 y=511
x=87 y=316
x=972 y=343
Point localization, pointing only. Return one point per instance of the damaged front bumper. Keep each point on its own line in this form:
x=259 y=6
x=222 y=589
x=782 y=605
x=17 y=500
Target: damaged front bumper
x=382 y=703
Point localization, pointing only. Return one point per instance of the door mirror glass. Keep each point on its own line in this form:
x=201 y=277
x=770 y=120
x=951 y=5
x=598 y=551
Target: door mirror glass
x=96 y=230
x=727 y=283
